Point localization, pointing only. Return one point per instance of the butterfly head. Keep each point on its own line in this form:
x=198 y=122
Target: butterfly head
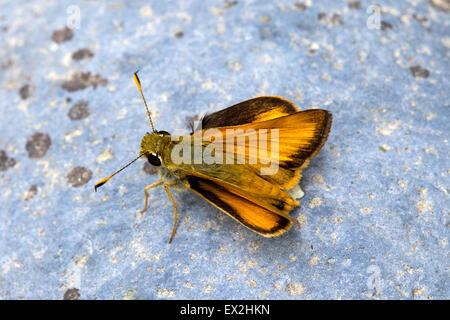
x=151 y=145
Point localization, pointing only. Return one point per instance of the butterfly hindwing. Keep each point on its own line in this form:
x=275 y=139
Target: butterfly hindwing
x=255 y=217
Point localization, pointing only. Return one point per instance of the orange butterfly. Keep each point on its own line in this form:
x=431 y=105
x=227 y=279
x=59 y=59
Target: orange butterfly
x=244 y=159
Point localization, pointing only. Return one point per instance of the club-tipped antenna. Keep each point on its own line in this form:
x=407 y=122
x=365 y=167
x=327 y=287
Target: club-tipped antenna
x=138 y=84
x=102 y=182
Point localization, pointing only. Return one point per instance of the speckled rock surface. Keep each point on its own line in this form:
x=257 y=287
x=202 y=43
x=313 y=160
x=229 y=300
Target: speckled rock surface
x=375 y=215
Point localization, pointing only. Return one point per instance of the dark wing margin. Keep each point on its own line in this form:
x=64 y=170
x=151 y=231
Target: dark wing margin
x=253 y=110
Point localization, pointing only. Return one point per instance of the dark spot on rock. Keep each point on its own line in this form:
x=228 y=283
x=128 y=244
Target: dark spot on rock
x=6 y=64
x=265 y=18
x=82 y=54
x=62 y=35
x=229 y=4
x=148 y=168
x=179 y=34
x=419 y=72
x=118 y=25
x=72 y=294
x=82 y=80
x=79 y=176
x=385 y=25
x=79 y=111
x=68 y=100
x=268 y=33
x=38 y=144
x=419 y=18
x=5 y=161
x=191 y=121
x=26 y=91
x=336 y=20
x=31 y=192
x=354 y=5
x=443 y=5
x=300 y=6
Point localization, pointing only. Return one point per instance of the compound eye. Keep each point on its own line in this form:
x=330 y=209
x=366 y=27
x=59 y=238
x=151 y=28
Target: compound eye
x=153 y=159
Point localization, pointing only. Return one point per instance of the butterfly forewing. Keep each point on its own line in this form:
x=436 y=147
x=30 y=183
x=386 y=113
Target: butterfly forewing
x=249 y=111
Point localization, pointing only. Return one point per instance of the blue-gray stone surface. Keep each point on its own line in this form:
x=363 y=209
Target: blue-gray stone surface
x=375 y=215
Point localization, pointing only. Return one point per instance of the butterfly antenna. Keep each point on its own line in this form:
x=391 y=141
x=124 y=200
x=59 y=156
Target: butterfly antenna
x=102 y=182
x=138 y=84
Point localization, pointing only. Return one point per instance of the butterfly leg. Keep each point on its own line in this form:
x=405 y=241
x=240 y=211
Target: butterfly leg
x=153 y=185
x=174 y=229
